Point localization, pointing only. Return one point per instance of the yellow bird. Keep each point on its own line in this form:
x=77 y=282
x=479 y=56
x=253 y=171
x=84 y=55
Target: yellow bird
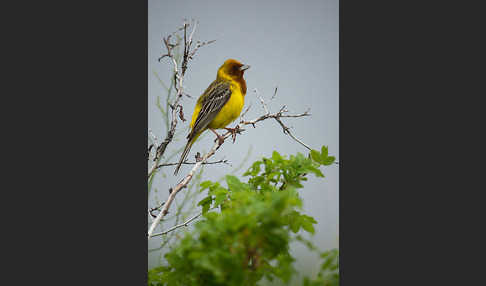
x=219 y=105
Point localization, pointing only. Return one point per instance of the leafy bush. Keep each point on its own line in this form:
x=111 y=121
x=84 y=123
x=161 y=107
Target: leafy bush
x=329 y=272
x=246 y=228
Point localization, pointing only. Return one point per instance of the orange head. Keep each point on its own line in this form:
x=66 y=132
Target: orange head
x=232 y=69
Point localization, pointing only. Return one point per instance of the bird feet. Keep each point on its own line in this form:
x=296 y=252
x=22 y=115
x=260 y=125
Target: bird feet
x=219 y=138
x=233 y=131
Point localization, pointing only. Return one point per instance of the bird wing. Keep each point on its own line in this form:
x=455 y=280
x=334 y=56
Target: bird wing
x=217 y=94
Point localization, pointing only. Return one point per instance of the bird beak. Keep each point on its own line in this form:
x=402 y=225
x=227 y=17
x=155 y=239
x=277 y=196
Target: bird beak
x=244 y=67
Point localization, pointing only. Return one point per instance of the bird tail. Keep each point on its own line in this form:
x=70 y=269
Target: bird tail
x=186 y=151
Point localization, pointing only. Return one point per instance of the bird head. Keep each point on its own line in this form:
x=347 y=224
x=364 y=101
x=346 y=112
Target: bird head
x=232 y=69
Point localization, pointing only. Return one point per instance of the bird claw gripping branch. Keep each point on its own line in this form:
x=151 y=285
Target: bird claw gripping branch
x=219 y=138
x=233 y=132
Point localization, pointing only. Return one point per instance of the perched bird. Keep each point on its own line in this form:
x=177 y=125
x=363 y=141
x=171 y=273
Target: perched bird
x=219 y=105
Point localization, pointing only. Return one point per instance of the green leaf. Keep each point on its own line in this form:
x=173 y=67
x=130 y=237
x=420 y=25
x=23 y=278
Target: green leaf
x=205 y=203
x=276 y=156
x=259 y=218
x=254 y=169
x=205 y=208
x=324 y=152
x=234 y=183
x=206 y=184
x=316 y=156
x=329 y=160
x=307 y=223
x=211 y=215
x=307 y=242
x=316 y=172
x=220 y=195
x=330 y=260
x=219 y=199
x=295 y=221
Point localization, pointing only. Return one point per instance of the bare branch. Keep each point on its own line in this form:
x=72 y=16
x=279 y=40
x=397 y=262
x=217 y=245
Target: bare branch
x=183 y=183
x=198 y=45
x=149 y=149
x=152 y=135
x=155 y=209
x=192 y=163
x=177 y=112
x=262 y=101
x=277 y=116
x=186 y=223
x=286 y=130
x=244 y=112
x=178 y=78
x=153 y=138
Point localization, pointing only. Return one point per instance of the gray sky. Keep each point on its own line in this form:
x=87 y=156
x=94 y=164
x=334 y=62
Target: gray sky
x=289 y=44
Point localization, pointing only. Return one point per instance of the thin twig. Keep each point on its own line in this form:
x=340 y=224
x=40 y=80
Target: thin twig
x=200 y=44
x=192 y=163
x=286 y=130
x=151 y=216
x=155 y=209
x=277 y=116
x=182 y=184
x=178 y=79
x=262 y=101
x=152 y=135
x=186 y=223
x=274 y=93
x=244 y=112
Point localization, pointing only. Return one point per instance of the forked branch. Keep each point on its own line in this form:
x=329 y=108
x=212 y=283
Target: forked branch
x=185 y=181
x=178 y=78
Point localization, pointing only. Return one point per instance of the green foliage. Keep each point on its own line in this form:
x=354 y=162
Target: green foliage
x=329 y=272
x=246 y=228
x=322 y=157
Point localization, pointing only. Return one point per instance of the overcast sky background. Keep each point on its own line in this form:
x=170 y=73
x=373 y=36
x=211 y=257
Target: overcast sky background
x=289 y=44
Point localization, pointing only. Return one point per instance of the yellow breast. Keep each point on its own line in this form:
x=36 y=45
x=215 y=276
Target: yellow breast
x=231 y=110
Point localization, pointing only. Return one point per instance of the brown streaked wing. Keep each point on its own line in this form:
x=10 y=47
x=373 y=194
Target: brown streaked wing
x=218 y=93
